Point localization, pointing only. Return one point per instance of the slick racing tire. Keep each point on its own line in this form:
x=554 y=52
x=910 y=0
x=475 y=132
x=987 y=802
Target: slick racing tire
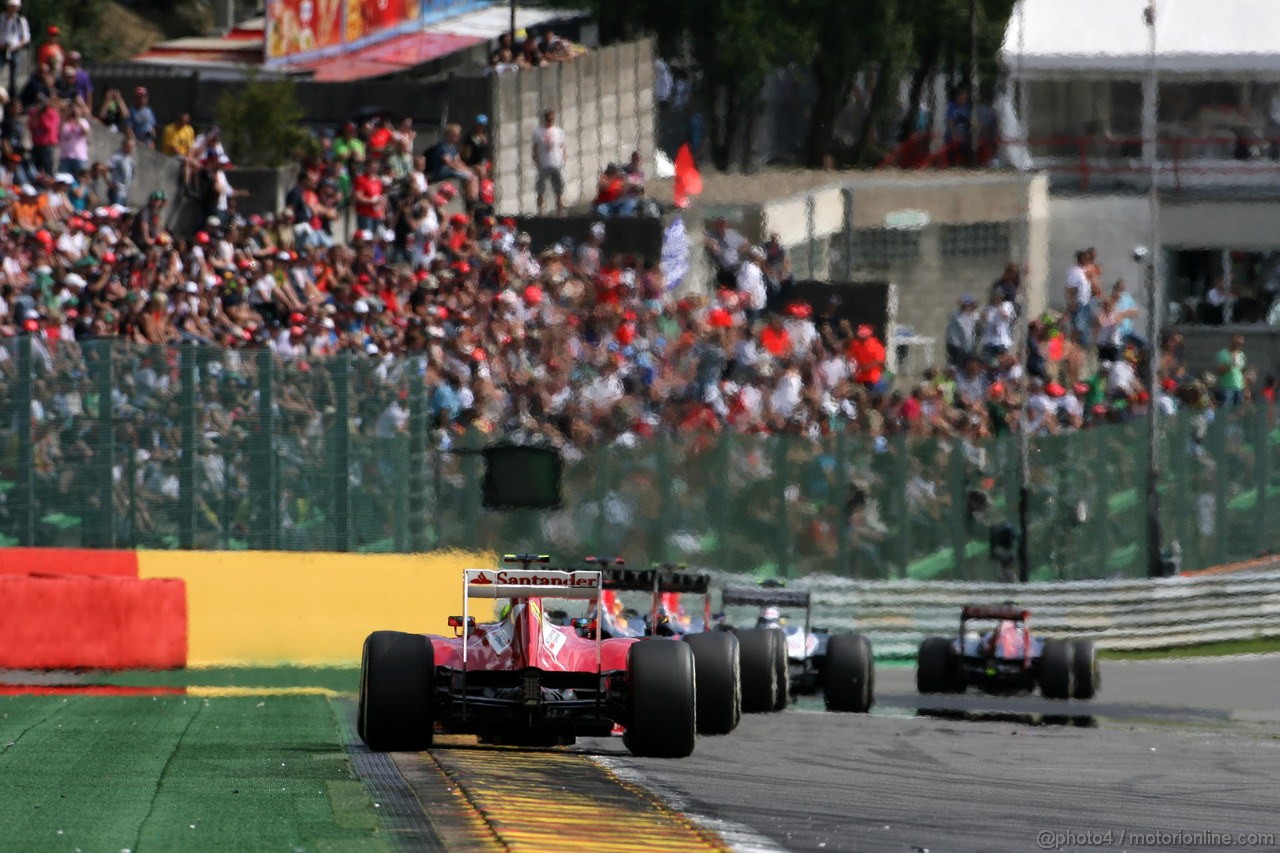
x=717 y=676
x=783 y=676
x=936 y=670
x=397 y=675
x=1056 y=670
x=1084 y=668
x=758 y=649
x=662 y=700
x=849 y=677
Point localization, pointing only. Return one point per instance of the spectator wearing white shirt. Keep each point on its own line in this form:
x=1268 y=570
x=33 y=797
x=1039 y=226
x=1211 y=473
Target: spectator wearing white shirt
x=549 y=158
x=750 y=282
x=15 y=33
x=997 y=326
x=1079 y=298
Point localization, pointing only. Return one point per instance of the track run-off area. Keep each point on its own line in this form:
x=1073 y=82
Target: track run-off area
x=1173 y=754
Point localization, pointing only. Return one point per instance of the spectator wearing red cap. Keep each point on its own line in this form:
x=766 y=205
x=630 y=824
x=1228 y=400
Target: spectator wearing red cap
x=142 y=121
x=868 y=355
x=50 y=52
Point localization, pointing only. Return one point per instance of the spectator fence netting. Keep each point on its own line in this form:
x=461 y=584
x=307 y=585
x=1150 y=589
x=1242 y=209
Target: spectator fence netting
x=131 y=446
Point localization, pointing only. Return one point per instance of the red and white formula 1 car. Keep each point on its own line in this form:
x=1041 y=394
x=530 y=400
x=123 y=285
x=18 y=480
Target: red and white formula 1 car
x=523 y=679
x=717 y=668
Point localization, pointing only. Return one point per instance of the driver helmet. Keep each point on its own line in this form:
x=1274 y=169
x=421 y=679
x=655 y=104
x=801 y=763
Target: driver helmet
x=769 y=616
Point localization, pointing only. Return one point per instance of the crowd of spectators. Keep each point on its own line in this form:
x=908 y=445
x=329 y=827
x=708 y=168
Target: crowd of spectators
x=535 y=51
x=575 y=341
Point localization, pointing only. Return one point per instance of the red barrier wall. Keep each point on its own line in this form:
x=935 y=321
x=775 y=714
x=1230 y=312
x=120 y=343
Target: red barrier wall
x=85 y=622
x=68 y=561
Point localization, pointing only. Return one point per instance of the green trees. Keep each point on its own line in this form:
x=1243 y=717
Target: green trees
x=735 y=44
x=259 y=122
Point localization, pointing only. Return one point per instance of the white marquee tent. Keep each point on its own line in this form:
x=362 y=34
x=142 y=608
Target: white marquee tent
x=1047 y=38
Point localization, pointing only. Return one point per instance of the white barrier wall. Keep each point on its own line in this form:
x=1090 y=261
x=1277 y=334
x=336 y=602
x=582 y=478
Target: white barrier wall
x=1118 y=614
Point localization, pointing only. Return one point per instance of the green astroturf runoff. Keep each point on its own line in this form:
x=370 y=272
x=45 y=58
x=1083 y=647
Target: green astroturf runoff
x=173 y=772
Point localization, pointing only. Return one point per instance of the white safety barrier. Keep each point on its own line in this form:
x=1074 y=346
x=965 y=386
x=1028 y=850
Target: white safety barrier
x=1117 y=614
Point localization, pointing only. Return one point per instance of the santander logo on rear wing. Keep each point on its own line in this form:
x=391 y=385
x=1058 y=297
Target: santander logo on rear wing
x=531 y=583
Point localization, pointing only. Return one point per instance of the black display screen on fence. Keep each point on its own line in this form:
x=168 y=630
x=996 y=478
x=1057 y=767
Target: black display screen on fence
x=518 y=477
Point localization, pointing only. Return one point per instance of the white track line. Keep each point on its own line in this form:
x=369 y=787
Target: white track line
x=741 y=839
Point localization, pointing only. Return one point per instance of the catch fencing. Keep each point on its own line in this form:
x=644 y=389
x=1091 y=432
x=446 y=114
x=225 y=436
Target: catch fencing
x=198 y=447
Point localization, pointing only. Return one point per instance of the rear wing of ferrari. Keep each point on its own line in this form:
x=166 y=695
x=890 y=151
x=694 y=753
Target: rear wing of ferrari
x=665 y=578
x=526 y=583
x=532 y=583
x=655 y=580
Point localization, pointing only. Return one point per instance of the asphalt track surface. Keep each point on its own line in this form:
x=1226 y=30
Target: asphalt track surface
x=1188 y=746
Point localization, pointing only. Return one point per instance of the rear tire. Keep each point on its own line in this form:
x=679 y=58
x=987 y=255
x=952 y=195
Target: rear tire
x=1084 y=668
x=848 y=679
x=1055 y=670
x=717 y=673
x=397 y=680
x=662 y=700
x=758 y=650
x=782 y=674
x=936 y=669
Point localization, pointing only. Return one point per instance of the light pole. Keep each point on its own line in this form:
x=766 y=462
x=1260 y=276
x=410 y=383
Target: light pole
x=1155 y=537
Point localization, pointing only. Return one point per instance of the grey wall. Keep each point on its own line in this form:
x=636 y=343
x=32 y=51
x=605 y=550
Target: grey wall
x=1113 y=224
x=154 y=171
x=605 y=105
x=1201 y=345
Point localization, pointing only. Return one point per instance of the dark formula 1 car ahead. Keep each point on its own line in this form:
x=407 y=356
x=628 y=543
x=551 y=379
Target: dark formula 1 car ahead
x=715 y=653
x=524 y=680
x=804 y=661
x=1007 y=659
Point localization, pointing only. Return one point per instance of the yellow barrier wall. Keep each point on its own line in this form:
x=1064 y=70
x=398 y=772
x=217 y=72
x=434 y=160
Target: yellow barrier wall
x=308 y=609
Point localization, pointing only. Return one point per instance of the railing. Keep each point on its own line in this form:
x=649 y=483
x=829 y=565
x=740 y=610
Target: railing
x=1087 y=158
x=197 y=447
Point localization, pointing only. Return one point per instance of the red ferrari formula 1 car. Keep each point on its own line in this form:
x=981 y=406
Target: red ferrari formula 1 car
x=717 y=667
x=524 y=680
x=1007 y=659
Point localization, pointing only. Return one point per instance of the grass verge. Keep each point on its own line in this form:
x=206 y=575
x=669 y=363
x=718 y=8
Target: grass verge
x=1234 y=647
x=179 y=773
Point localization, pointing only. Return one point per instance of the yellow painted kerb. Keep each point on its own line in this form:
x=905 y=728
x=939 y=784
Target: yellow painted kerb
x=307 y=609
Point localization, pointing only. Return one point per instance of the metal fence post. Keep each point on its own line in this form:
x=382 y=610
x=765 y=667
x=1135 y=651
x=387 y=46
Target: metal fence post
x=340 y=452
x=25 y=491
x=1261 y=477
x=102 y=352
x=782 y=531
x=959 y=513
x=190 y=449
x=417 y=456
x=262 y=474
x=847 y=197
x=1218 y=451
x=809 y=228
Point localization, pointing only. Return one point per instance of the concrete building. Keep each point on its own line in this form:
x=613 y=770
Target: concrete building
x=1093 y=105
x=935 y=236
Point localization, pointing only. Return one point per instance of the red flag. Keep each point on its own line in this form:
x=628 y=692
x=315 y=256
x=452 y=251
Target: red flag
x=688 y=181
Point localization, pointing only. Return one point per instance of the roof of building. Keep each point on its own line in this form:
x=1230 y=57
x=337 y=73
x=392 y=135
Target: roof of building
x=1055 y=37
x=245 y=45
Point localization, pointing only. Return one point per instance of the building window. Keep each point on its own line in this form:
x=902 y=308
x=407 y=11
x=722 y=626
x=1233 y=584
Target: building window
x=977 y=240
x=882 y=247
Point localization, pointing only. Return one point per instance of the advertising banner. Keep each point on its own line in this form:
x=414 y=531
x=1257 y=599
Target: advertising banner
x=298 y=27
